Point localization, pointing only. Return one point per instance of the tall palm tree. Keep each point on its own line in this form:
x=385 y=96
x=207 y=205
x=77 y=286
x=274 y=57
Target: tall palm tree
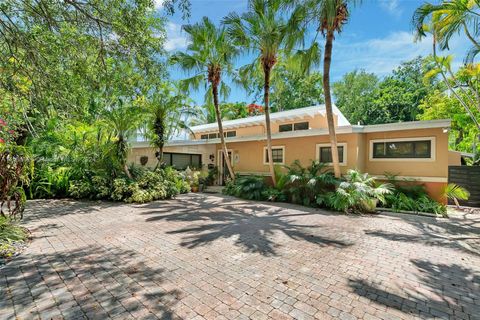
x=167 y=112
x=207 y=114
x=263 y=30
x=329 y=17
x=210 y=55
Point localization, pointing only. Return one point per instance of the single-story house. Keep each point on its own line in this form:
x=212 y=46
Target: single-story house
x=415 y=150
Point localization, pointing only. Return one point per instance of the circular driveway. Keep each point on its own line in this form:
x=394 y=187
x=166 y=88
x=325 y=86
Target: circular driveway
x=216 y=257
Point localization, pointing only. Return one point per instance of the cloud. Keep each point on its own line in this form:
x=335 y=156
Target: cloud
x=158 y=4
x=176 y=40
x=382 y=55
x=392 y=7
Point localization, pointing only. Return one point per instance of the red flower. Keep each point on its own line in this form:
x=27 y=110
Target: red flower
x=2 y=141
x=2 y=122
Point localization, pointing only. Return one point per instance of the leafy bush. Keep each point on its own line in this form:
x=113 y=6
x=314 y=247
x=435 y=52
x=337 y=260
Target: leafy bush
x=9 y=234
x=455 y=192
x=359 y=193
x=247 y=187
x=302 y=185
x=408 y=195
x=16 y=168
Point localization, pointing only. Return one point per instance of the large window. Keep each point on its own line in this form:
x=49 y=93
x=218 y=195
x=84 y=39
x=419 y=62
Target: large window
x=204 y=136
x=278 y=155
x=181 y=161
x=231 y=134
x=285 y=127
x=212 y=136
x=324 y=153
x=402 y=149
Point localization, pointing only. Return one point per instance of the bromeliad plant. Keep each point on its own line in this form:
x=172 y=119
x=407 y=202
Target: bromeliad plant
x=359 y=193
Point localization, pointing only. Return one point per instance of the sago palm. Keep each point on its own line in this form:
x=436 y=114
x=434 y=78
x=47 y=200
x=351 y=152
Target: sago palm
x=264 y=31
x=210 y=55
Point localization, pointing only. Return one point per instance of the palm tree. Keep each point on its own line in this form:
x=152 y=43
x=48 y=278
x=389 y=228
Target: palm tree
x=167 y=113
x=451 y=17
x=207 y=114
x=329 y=16
x=264 y=31
x=211 y=54
x=123 y=118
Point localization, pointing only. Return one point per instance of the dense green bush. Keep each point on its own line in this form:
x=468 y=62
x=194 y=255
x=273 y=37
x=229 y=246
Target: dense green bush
x=358 y=193
x=145 y=186
x=10 y=234
x=409 y=195
x=302 y=185
x=247 y=187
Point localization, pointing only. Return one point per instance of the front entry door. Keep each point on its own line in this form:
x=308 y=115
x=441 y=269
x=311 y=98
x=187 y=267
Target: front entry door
x=223 y=172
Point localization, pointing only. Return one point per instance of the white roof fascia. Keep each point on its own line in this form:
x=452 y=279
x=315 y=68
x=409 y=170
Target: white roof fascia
x=428 y=124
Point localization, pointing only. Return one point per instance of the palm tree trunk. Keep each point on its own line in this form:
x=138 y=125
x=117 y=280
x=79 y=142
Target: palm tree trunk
x=327 y=60
x=220 y=131
x=267 y=124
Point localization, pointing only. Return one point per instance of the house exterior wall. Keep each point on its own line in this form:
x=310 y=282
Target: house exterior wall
x=454 y=158
x=437 y=168
x=317 y=122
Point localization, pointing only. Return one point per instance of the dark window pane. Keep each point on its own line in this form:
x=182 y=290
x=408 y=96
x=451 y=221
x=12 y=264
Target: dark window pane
x=285 y=127
x=181 y=161
x=402 y=149
x=301 y=126
x=212 y=136
x=277 y=155
x=326 y=154
x=231 y=134
x=204 y=137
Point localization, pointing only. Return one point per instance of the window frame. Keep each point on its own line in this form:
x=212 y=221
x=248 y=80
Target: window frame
x=171 y=154
x=274 y=147
x=339 y=144
x=302 y=122
x=430 y=159
x=284 y=125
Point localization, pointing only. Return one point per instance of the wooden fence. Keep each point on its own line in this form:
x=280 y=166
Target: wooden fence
x=469 y=178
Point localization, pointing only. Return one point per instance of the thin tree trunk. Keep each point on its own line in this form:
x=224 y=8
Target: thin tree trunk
x=328 y=102
x=220 y=131
x=268 y=126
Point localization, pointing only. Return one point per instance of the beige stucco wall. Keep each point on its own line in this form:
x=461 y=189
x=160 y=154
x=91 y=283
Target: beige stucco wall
x=414 y=168
x=454 y=158
x=317 y=122
x=248 y=155
x=205 y=150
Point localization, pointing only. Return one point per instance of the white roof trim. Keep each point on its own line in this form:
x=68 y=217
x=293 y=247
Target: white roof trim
x=428 y=124
x=288 y=115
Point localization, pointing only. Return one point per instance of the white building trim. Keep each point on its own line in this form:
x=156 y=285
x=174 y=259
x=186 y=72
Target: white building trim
x=432 y=150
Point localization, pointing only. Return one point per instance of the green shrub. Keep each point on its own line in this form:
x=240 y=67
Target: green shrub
x=408 y=195
x=302 y=185
x=247 y=187
x=358 y=193
x=9 y=234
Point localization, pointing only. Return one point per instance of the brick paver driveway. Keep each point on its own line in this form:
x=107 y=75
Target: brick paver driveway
x=215 y=257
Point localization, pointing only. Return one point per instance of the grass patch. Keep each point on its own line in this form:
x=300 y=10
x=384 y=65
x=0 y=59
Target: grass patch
x=11 y=235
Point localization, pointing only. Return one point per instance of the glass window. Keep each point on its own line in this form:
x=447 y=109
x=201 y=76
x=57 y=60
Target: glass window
x=326 y=154
x=212 y=136
x=231 y=134
x=285 y=127
x=402 y=149
x=277 y=155
x=300 y=126
x=181 y=161
x=204 y=136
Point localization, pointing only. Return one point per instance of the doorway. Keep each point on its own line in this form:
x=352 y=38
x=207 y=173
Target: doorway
x=223 y=173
